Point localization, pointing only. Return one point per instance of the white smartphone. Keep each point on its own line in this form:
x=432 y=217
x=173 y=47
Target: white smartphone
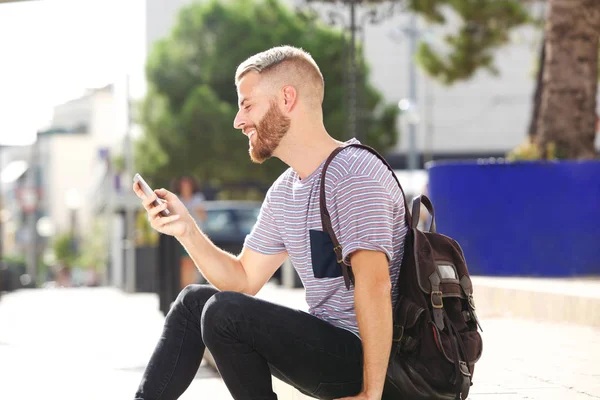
x=149 y=192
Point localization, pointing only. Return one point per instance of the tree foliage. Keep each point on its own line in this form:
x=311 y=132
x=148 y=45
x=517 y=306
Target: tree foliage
x=486 y=25
x=188 y=113
x=64 y=250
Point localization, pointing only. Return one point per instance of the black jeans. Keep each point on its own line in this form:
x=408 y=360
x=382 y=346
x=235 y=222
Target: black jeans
x=251 y=339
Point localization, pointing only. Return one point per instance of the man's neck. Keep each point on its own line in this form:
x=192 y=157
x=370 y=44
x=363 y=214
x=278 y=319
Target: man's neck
x=305 y=153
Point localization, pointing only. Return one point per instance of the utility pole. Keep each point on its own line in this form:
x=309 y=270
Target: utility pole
x=31 y=200
x=409 y=105
x=412 y=92
x=428 y=113
x=1 y=214
x=353 y=100
x=130 y=273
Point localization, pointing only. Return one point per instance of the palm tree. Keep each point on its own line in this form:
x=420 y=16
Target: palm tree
x=570 y=78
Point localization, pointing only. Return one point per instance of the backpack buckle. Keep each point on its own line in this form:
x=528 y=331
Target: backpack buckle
x=471 y=302
x=401 y=333
x=335 y=249
x=436 y=299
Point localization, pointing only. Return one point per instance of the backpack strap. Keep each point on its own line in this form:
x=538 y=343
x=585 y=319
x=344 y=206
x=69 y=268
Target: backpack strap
x=467 y=287
x=326 y=218
x=416 y=211
x=437 y=303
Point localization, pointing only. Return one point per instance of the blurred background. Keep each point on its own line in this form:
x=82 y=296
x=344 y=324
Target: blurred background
x=489 y=107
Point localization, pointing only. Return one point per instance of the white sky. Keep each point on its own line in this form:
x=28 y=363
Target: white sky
x=51 y=50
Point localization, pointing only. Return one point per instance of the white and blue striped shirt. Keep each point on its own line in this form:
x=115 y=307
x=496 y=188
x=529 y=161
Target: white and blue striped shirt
x=367 y=212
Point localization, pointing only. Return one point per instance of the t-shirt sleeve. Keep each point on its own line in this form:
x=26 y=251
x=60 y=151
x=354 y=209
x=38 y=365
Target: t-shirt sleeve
x=362 y=215
x=265 y=237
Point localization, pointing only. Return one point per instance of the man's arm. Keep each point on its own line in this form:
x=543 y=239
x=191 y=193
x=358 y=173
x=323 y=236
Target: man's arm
x=246 y=273
x=373 y=303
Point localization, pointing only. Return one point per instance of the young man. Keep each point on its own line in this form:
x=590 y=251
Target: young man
x=340 y=349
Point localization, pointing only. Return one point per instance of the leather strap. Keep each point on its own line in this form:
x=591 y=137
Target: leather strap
x=466 y=380
x=404 y=343
x=437 y=303
x=462 y=377
x=416 y=211
x=326 y=218
x=468 y=290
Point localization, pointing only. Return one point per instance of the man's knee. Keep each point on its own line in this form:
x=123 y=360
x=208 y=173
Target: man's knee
x=221 y=312
x=193 y=298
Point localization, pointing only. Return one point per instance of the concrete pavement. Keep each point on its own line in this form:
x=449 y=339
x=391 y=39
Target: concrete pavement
x=83 y=344
x=94 y=344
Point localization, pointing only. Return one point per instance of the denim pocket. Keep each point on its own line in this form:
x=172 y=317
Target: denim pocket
x=324 y=260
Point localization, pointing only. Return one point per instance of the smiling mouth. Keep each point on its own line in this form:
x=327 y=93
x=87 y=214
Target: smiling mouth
x=251 y=134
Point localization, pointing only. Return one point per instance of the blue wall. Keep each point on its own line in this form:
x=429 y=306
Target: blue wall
x=521 y=219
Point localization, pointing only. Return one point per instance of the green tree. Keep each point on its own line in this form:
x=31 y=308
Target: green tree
x=189 y=110
x=93 y=254
x=486 y=26
x=64 y=250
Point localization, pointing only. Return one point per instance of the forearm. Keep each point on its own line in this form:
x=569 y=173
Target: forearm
x=374 y=314
x=220 y=268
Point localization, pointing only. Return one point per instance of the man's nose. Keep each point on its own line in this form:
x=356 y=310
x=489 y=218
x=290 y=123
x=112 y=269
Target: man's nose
x=238 y=121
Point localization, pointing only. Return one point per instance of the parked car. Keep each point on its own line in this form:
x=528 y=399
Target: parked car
x=228 y=222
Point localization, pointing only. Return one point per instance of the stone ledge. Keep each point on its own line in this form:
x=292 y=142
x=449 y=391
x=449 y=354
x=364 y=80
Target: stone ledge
x=550 y=300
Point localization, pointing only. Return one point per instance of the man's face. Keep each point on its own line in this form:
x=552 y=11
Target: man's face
x=260 y=119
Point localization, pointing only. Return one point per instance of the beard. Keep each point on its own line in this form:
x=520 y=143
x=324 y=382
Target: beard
x=270 y=130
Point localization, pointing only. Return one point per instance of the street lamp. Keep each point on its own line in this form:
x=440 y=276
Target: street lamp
x=410 y=113
x=409 y=106
x=45 y=227
x=352 y=21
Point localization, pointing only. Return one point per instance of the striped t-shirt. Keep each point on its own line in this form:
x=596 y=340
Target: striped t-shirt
x=367 y=212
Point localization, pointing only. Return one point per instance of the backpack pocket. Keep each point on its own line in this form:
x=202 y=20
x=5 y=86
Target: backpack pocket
x=406 y=338
x=471 y=341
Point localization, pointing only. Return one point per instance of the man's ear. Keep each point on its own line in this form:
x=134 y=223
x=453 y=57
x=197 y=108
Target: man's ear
x=290 y=97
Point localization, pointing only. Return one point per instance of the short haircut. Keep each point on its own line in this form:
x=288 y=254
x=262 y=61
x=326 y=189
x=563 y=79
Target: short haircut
x=287 y=65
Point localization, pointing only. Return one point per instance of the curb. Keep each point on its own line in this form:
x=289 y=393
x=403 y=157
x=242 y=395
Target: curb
x=548 y=300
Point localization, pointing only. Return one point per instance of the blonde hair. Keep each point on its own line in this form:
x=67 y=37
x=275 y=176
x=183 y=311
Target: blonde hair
x=286 y=65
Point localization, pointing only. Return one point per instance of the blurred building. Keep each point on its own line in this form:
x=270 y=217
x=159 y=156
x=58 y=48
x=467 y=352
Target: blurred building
x=68 y=177
x=73 y=154
x=14 y=162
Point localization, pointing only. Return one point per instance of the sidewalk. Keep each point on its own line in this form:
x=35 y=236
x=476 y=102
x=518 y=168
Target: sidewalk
x=94 y=344
x=83 y=344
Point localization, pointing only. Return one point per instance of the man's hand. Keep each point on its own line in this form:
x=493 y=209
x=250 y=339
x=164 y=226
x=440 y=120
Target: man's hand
x=176 y=224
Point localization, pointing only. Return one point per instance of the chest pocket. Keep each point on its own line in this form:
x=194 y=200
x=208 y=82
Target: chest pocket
x=324 y=260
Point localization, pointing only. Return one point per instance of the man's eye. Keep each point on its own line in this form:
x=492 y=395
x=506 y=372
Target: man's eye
x=247 y=108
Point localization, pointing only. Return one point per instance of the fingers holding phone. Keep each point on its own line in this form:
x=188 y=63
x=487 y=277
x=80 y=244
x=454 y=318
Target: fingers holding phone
x=149 y=197
x=164 y=216
x=157 y=211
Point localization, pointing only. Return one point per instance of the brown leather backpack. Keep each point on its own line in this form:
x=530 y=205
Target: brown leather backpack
x=436 y=342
